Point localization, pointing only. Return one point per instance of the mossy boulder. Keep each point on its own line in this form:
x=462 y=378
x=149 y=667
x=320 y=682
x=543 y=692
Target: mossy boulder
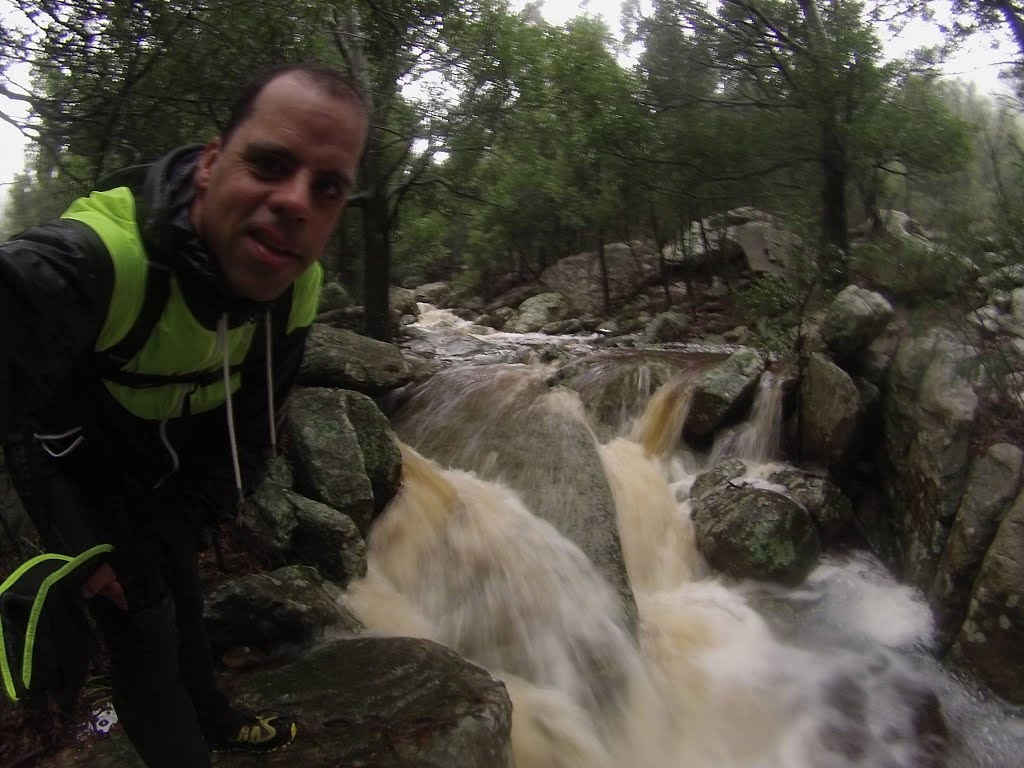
x=754 y=533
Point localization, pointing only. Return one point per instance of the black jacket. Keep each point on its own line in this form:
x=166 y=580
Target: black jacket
x=56 y=281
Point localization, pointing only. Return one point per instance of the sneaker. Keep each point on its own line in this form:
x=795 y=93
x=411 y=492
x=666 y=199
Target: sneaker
x=259 y=732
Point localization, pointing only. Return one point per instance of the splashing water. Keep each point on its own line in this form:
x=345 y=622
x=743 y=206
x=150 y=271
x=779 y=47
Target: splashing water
x=661 y=424
x=832 y=674
x=500 y=585
x=462 y=562
x=759 y=438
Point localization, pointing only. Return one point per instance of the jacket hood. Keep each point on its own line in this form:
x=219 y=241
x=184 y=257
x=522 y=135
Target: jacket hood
x=164 y=192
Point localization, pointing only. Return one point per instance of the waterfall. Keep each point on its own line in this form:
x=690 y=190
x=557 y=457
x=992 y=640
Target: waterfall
x=495 y=546
x=759 y=438
x=661 y=424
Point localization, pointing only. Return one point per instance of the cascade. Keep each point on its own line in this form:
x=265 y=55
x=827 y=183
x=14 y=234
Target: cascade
x=499 y=545
x=759 y=438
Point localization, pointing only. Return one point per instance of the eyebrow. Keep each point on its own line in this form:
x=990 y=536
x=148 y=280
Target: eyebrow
x=272 y=148
x=266 y=148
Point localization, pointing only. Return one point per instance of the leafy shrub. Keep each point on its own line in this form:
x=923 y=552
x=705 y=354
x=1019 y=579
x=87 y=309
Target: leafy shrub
x=768 y=297
x=911 y=271
x=420 y=249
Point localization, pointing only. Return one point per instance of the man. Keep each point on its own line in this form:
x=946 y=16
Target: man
x=147 y=340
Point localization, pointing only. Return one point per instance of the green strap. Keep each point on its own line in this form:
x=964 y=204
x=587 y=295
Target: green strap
x=70 y=565
x=111 y=215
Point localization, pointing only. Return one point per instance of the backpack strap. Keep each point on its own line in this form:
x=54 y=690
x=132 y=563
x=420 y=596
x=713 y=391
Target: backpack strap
x=281 y=312
x=157 y=290
x=109 y=363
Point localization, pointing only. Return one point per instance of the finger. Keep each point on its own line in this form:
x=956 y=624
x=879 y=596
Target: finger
x=114 y=592
x=100 y=578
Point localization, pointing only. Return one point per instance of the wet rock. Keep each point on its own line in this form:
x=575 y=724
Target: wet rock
x=340 y=358
x=403 y=300
x=992 y=483
x=754 y=533
x=289 y=528
x=538 y=311
x=853 y=320
x=724 y=390
x=382 y=460
x=497 y=318
x=438 y=294
x=1005 y=278
x=989 y=641
x=1014 y=322
x=352 y=319
x=831 y=424
x=870 y=394
x=272 y=615
x=873 y=362
x=629 y=266
x=717 y=477
x=515 y=296
x=668 y=326
x=562 y=327
x=830 y=509
x=718 y=288
x=928 y=412
x=281 y=473
x=1002 y=301
x=615 y=390
x=333 y=296
x=744 y=237
x=609 y=328
x=365 y=703
x=433 y=347
x=741 y=334
x=324 y=449
x=504 y=424
x=985 y=319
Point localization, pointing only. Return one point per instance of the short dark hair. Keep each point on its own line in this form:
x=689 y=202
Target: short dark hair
x=335 y=83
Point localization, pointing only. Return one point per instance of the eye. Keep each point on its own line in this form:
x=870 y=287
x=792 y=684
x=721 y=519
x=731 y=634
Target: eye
x=329 y=188
x=268 y=165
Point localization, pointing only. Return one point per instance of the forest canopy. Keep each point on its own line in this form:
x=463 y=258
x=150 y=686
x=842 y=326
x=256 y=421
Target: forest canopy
x=501 y=143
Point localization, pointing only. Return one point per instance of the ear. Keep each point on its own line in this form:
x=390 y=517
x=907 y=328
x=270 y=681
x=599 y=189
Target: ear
x=208 y=157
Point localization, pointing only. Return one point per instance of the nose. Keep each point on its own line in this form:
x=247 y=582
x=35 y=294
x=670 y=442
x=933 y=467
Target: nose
x=291 y=197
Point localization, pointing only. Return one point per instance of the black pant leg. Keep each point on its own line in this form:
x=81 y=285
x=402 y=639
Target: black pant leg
x=195 y=655
x=149 y=695
x=148 y=666
x=162 y=669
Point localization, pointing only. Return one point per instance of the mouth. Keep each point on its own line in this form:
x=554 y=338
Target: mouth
x=271 y=247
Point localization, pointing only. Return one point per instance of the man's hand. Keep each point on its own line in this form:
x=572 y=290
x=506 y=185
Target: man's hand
x=104 y=582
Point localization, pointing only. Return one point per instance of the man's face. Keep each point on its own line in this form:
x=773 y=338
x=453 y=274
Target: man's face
x=269 y=198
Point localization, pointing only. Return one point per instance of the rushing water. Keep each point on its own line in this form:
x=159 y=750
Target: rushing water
x=834 y=673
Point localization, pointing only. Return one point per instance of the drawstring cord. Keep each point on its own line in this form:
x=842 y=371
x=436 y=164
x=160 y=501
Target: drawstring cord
x=269 y=357
x=75 y=432
x=222 y=340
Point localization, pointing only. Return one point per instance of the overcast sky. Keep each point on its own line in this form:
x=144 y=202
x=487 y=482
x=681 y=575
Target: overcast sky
x=978 y=63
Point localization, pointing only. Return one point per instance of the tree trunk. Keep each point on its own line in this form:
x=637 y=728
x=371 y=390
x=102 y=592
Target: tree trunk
x=869 y=199
x=603 y=264
x=373 y=195
x=377 y=252
x=833 y=191
x=662 y=264
x=721 y=269
x=1013 y=16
